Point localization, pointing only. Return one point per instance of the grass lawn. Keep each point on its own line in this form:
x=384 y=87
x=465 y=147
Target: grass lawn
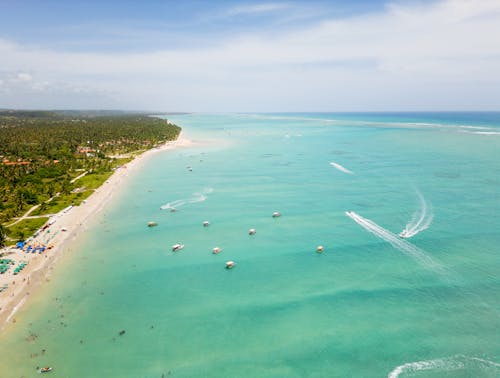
x=25 y=228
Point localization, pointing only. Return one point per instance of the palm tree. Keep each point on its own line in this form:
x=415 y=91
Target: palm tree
x=3 y=237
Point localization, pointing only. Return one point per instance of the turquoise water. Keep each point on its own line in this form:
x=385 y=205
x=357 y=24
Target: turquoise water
x=372 y=304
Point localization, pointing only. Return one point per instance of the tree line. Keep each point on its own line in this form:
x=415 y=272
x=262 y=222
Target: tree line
x=41 y=152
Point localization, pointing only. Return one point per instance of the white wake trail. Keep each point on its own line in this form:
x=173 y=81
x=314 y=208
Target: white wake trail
x=420 y=221
x=195 y=197
x=453 y=363
x=407 y=248
x=341 y=168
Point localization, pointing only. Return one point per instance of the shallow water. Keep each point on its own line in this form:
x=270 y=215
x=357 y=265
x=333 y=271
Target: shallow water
x=372 y=305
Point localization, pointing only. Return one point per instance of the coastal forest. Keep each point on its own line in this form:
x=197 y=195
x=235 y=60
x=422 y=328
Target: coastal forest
x=50 y=160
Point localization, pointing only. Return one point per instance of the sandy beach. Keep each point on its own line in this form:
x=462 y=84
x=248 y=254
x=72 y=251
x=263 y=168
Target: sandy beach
x=62 y=235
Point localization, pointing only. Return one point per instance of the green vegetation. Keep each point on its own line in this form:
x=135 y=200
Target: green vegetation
x=41 y=153
x=2 y=236
x=26 y=228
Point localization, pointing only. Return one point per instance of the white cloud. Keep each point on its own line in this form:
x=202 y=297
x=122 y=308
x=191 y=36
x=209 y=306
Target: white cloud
x=23 y=90
x=24 y=77
x=443 y=55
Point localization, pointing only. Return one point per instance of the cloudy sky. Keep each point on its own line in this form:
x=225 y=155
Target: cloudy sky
x=250 y=56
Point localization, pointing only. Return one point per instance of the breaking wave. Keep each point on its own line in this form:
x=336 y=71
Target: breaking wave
x=453 y=363
x=456 y=127
x=420 y=220
x=407 y=248
x=195 y=197
x=341 y=168
x=481 y=132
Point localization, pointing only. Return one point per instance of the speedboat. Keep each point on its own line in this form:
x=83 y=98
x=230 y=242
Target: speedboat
x=230 y=264
x=276 y=214
x=252 y=231
x=404 y=234
x=45 y=369
x=216 y=250
x=152 y=224
x=177 y=247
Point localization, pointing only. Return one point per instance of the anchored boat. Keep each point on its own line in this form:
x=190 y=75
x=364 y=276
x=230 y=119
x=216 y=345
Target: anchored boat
x=177 y=247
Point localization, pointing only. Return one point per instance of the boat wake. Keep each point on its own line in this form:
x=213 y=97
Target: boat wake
x=341 y=168
x=407 y=248
x=420 y=220
x=196 y=197
x=473 y=365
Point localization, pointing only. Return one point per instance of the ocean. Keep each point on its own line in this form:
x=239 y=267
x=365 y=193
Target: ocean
x=373 y=304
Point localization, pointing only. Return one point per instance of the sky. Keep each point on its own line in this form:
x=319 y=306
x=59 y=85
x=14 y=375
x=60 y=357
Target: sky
x=250 y=56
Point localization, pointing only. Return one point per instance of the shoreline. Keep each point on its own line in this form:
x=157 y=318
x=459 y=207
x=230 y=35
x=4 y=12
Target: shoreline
x=73 y=221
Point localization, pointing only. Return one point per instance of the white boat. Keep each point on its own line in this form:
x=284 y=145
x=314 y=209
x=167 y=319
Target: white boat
x=276 y=214
x=177 y=247
x=404 y=234
x=252 y=231
x=230 y=264
x=152 y=224
x=216 y=250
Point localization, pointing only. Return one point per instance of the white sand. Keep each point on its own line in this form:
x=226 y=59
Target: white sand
x=74 y=221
